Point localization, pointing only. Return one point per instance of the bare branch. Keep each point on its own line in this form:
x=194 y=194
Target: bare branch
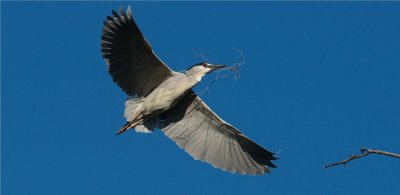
x=364 y=152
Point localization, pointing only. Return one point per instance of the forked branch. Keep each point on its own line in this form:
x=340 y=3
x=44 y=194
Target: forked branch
x=233 y=69
x=199 y=55
x=364 y=152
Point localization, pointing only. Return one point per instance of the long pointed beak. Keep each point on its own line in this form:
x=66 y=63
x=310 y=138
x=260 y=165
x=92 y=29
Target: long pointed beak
x=216 y=66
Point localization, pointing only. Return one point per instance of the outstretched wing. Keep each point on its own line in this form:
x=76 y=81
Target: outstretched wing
x=130 y=59
x=206 y=137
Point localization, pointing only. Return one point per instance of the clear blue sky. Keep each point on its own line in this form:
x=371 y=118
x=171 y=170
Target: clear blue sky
x=321 y=80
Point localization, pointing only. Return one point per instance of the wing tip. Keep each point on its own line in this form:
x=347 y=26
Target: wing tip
x=129 y=11
x=233 y=170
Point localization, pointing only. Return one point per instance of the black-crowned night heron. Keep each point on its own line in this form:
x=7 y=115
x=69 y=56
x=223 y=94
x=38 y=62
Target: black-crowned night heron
x=164 y=99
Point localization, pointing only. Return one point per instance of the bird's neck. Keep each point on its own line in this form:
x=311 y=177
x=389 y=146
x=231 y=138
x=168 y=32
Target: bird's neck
x=196 y=75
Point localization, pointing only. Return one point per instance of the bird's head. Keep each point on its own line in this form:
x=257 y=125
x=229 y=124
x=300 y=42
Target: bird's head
x=200 y=69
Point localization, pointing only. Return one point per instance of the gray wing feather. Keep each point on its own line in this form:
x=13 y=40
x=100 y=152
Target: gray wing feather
x=130 y=59
x=206 y=137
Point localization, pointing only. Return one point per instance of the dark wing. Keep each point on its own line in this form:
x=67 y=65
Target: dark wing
x=206 y=137
x=130 y=59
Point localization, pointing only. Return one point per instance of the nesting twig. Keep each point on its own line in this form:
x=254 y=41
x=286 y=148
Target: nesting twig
x=364 y=152
x=199 y=55
x=233 y=69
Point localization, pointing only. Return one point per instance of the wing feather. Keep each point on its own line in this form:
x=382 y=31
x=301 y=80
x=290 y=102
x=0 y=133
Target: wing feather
x=206 y=137
x=131 y=61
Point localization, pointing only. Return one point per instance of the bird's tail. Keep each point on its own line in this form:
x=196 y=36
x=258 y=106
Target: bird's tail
x=132 y=113
x=132 y=106
x=148 y=125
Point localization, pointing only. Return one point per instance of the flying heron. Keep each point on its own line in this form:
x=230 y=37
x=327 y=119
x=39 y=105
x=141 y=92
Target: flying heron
x=161 y=98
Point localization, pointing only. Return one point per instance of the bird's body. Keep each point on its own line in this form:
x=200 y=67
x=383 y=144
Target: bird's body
x=165 y=96
x=168 y=93
x=164 y=99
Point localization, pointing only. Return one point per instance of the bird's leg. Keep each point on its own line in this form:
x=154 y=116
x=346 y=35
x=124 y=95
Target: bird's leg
x=135 y=121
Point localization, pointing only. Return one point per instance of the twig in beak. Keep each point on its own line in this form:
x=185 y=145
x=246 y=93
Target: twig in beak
x=234 y=68
x=200 y=55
